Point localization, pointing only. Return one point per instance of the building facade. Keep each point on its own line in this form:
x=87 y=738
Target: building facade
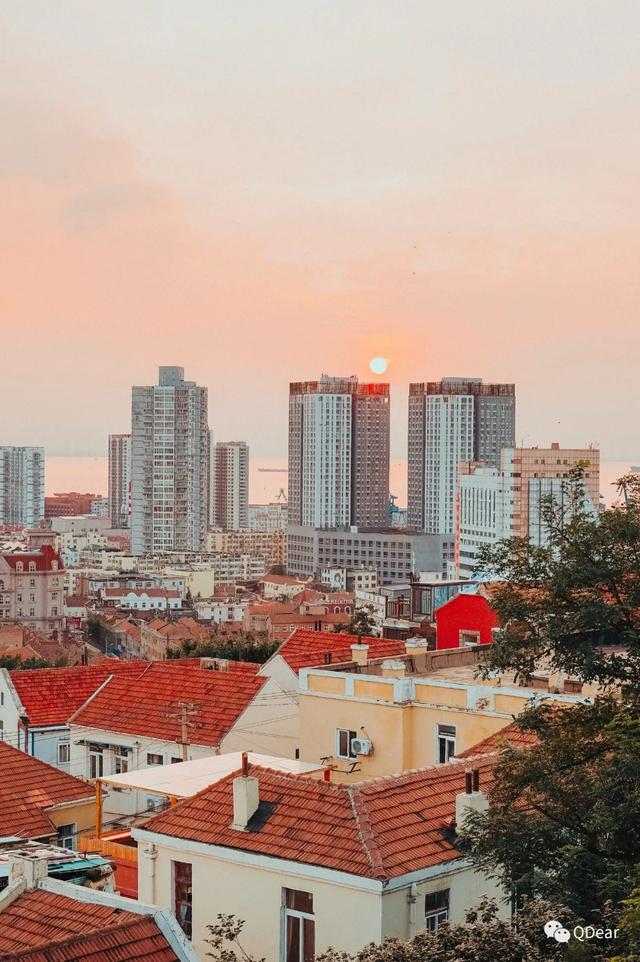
x=394 y=554
x=32 y=587
x=338 y=453
x=268 y=517
x=21 y=486
x=509 y=502
x=169 y=465
x=452 y=421
x=119 y=479
x=270 y=545
x=231 y=485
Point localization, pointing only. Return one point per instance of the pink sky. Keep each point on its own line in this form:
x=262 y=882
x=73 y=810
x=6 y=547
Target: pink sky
x=265 y=191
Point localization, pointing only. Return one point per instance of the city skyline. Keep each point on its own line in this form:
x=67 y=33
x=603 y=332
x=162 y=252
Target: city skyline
x=405 y=184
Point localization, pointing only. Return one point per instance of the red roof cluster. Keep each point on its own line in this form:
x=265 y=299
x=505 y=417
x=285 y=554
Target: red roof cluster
x=42 y=926
x=42 y=558
x=28 y=787
x=51 y=695
x=142 y=703
x=308 y=649
x=380 y=829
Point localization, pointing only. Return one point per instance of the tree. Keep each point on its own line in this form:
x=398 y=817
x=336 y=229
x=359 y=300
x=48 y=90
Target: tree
x=13 y=663
x=362 y=623
x=564 y=818
x=575 y=601
x=484 y=937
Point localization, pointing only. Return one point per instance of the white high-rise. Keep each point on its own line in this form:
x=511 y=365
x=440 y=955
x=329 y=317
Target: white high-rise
x=119 y=479
x=452 y=421
x=169 y=465
x=231 y=487
x=21 y=486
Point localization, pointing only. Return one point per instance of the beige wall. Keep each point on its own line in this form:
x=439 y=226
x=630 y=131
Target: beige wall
x=83 y=814
x=268 y=725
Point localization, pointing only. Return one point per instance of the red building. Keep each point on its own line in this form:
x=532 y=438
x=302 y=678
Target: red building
x=64 y=504
x=465 y=620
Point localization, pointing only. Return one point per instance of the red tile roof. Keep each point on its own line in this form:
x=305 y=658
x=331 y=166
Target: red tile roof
x=41 y=926
x=51 y=695
x=28 y=787
x=144 y=704
x=509 y=737
x=306 y=649
x=281 y=580
x=43 y=557
x=380 y=829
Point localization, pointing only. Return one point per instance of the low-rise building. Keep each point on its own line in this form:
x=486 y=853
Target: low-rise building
x=142 y=599
x=32 y=585
x=42 y=918
x=40 y=802
x=309 y=865
x=349 y=579
x=270 y=545
x=280 y=587
x=376 y=716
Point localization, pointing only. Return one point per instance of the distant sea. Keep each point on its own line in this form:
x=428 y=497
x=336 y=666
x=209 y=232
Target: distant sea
x=267 y=476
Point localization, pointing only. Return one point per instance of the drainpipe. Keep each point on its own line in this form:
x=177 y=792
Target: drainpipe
x=412 y=899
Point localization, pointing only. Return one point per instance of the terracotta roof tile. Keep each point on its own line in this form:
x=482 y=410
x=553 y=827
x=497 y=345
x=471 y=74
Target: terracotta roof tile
x=509 y=737
x=380 y=829
x=41 y=926
x=28 y=787
x=142 y=704
x=306 y=649
x=51 y=695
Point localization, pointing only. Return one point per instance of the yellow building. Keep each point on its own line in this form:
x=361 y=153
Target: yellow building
x=379 y=716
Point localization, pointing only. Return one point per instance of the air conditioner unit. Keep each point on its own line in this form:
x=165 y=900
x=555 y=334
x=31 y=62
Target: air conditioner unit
x=361 y=746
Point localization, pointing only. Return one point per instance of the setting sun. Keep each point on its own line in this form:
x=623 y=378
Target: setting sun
x=378 y=365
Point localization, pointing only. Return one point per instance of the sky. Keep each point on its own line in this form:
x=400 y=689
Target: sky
x=264 y=192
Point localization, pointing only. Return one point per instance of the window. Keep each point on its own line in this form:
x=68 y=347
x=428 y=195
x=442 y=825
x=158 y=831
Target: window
x=182 y=895
x=299 y=926
x=120 y=759
x=175 y=760
x=96 y=763
x=446 y=743
x=64 y=753
x=436 y=909
x=153 y=759
x=344 y=741
x=469 y=638
x=67 y=835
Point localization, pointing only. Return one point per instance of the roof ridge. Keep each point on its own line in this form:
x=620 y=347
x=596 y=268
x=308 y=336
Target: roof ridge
x=436 y=769
x=365 y=831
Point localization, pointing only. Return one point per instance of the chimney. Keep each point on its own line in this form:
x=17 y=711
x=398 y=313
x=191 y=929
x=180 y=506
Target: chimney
x=246 y=797
x=471 y=800
x=414 y=646
x=31 y=868
x=360 y=654
x=392 y=668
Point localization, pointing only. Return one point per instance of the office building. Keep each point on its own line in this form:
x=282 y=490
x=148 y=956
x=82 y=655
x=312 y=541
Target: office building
x=169 y=465
x=231 y=481
x=452 y=421
x=21 y=486
x=119 y=479
x=509 y=502
x=338 y=453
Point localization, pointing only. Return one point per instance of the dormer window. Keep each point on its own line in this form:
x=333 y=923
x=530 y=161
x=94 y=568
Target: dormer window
x=19 y=566
x=54 y=565
x=32 y=566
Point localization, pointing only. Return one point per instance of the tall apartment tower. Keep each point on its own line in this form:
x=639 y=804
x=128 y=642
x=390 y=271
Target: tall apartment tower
x=169 y=465
x=338 y=453
x=119 y=479
x=232 y=485
x=21 y=486
x=452 y=421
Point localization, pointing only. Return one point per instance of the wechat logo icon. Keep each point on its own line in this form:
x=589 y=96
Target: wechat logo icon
x=555 y=930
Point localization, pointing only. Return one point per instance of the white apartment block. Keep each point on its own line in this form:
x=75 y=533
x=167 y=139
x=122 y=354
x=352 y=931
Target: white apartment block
x=21 y=486
x=485 y=506
x=448 y=441
x=268 y=517
x=231 y=485
x=169 y=465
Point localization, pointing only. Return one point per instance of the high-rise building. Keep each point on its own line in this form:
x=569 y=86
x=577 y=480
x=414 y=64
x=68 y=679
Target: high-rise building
x=338 y=453
x=119 y=479
x=452 y=421
x=169 y=465
x=232 y=485
x=508 y=502
x=21 y=486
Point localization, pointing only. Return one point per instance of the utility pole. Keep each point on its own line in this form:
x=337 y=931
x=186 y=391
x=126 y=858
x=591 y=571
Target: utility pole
x=185 y=712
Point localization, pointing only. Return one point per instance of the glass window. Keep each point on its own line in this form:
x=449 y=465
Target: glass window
x=153 y=759
x=299 y=926
x=183 y=895
x=446 y=743
x=67 y=835
x=96 y=763
x=436 y=909
x=344 y=743
x=64 y=753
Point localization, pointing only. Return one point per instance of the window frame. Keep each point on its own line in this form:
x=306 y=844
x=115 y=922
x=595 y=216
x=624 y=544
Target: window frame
x=68 y=836
x=439 y=914
x=186 y=924
x=447 y=740
x=67 y=747
x=301 y=916
x=351 y=735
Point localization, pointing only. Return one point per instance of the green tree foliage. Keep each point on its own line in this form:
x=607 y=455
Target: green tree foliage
x=574 y=602
x=12 y=663
x=362 y=623
x=245 y=648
